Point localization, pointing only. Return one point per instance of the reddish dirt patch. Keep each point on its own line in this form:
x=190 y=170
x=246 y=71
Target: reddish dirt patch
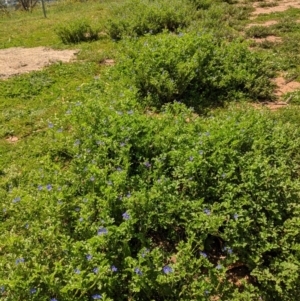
x=18 y=60
x=12 y=139
x=266 y=24
x=282 y=6
x=284 y=86
x=272 y=39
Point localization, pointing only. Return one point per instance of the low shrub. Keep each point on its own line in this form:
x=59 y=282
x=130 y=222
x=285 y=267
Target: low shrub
x=137 y=18
x=194 y=68
x=156 y=207
x=76 y=32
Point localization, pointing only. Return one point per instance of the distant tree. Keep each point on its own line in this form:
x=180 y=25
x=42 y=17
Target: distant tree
x=28 y=5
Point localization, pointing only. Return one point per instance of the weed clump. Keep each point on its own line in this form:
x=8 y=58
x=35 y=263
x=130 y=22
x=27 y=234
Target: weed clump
x=77 y=32
x=195 y=68
x=137 y=18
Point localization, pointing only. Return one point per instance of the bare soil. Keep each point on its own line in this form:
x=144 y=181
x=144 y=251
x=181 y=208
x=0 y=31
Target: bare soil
x=14 y=61
x=282 y=6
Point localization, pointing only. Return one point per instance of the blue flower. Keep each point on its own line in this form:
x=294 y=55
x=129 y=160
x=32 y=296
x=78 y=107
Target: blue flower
x=81 y=219
x=102 y=231
x=40 y=187
x=138 y=271
x=206 y=292
x=126 y=216
x=119 y=168
x=49 y=187
x=17 y=199
x=147 y=164
x=53 y=299
x=206 y=211
x=20 y=260
x=235 y=216
x=167 y=269
x=50 y=125
x=96 y=297
x=130 y=112
x=2 y=289
x=95 y=270
x=228 y=250
x=113 y=268
x=77 y=271
x=203 y=254
x=89 y=257
x=219 y=267
x=32 y=290
x=200 y=152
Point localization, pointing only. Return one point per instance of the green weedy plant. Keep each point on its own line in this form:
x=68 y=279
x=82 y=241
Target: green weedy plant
x=76 y=32
x=156 y=207
x=137 y=18
x=196 y=68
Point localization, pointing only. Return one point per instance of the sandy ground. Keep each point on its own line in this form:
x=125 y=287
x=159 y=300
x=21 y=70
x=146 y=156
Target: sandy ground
x=19 y=60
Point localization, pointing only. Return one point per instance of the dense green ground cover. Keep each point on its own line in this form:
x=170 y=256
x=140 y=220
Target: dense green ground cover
x=119 y=189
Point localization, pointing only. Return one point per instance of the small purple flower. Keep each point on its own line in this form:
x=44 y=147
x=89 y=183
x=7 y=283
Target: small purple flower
x=206 y=211
x=68 y=112
x=2 y=289
x=122 y=144
x=81 y=219
x=227 y=249
x=26 y=226
x=49 y=187
x=191 y=158
x=138 y=271
x=128 y=195
x=77 y=271
x=119 y=168
x=50 y=125
x=235 y=216
x=126 y=216
x=53 y=299
x=201 y=152
x=203 y=254
x=16 y=200
x=147 y=164
x=77 y=209
x=89 y=257
x=223 y=175
x=130 y=112
x=96 y=297
x=206 y=292
x=102 y=231
x=59 y=130
x=167 y=269
x=40 y=187
x=32 y=291
x=219 y=267
x=113 y=268
x=109 y=183
x=92 y=178
x=95 y=270
x=20 y=260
